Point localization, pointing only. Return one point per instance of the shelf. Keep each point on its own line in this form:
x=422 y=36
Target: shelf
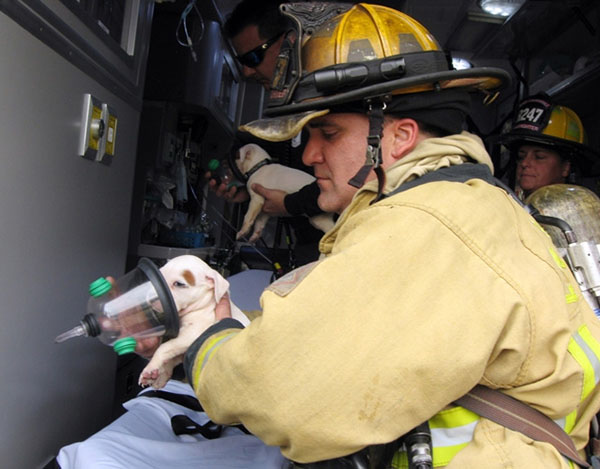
x=166 y=252
x=580 y=91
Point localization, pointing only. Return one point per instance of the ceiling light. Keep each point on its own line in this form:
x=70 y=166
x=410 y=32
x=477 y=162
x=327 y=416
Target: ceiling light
x=500 y=7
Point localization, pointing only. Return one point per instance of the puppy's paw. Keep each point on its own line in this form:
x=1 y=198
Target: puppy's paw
x=244 y=230
x=153 y=377
x=147 y=377
x=255 y=236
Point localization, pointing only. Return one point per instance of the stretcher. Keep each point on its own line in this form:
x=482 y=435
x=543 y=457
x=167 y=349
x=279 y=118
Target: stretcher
x=145 y=438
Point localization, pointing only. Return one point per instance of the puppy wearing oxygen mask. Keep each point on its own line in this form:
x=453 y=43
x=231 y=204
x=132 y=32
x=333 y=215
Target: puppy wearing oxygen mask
x=196 y=289
x=254 y=163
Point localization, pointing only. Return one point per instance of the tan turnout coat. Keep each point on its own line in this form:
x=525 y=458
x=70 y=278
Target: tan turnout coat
x=418 y=298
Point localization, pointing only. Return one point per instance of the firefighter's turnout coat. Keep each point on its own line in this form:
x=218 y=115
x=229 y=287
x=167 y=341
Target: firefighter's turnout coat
x=418 y=298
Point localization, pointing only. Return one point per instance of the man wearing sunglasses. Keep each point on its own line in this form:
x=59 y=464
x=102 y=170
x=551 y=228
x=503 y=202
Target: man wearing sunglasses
x=257 y=63
x=256 y=30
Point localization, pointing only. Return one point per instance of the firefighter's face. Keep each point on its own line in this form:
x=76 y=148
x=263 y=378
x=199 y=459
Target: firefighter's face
x=539 y=166
x=337 y=147
x=248 y=39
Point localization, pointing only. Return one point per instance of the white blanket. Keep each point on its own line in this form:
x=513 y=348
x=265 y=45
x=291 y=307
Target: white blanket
x=143 y=438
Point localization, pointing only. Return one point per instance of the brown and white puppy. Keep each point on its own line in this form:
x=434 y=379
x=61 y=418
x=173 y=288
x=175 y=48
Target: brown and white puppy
x=196 y=289
x=271 y=176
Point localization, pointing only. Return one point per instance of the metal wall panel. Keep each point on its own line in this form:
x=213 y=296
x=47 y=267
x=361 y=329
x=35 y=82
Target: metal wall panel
x=64 y=223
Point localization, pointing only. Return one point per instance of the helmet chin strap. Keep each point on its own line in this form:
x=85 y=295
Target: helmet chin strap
x=374 y=157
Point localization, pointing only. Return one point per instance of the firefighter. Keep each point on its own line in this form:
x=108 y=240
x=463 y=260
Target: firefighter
x=434 y=280
x=549 y=144
x=257 y=31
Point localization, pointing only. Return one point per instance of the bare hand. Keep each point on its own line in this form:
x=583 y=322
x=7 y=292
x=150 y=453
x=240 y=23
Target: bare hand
x=236 y=194
x=274 y=204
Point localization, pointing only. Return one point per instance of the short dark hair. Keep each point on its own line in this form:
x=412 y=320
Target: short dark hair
x=264 y=14
x=432 y=130
x=430 y=124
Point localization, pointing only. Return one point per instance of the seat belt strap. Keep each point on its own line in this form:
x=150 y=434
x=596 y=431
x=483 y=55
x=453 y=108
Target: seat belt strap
x=180 y=399
x=518 y=416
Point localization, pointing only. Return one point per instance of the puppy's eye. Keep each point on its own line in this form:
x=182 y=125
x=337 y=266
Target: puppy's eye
x=178 y=284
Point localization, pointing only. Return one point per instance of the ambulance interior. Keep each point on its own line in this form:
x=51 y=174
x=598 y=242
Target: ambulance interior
x=164 y=82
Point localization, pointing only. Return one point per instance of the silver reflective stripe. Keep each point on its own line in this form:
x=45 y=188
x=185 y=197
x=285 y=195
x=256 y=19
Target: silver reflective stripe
x=591 y=356
x=209 y=353
x=562 y=422
x=453 y=436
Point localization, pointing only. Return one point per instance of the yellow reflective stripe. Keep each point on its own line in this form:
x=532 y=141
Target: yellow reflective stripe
x=586 y=351
x=452 y=436
x=208 y=348
x=570 y=421
x=579 y=355
x=557 y=259
x=444 y=454
x=451 y=430
x=594 y=348
x=453 y=417
x=400 y=460
x=567 y=423
x=571 y=297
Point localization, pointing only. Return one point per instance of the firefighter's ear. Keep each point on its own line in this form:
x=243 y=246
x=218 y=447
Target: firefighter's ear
x=403 y=135
x=565 y=169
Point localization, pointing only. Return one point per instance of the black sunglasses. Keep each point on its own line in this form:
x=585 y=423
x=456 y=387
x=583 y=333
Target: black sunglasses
x=254 y=57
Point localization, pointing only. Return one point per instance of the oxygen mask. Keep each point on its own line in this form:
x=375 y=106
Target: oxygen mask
x=136 y=306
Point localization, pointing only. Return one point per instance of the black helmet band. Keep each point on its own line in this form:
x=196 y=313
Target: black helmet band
x=336 y=78
x=445 y=110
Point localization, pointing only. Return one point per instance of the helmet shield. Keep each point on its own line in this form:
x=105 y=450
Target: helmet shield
x=306 y=17
x=533 y=115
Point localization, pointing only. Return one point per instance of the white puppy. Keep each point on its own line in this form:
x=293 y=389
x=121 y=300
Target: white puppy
x=271 y=176
x=196 y=289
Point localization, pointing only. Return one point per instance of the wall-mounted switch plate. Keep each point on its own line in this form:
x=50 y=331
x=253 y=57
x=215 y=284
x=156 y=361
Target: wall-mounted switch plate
x=92 y=127
x=107 y=144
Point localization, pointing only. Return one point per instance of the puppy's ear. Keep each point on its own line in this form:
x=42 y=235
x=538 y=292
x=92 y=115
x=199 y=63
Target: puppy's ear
x=244 y=153
x=219 y=283
x=189 y=278
x=240 y=158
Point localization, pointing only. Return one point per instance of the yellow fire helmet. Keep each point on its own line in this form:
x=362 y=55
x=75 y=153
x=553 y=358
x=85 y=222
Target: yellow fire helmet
x=344 y=53
x=539 y=121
